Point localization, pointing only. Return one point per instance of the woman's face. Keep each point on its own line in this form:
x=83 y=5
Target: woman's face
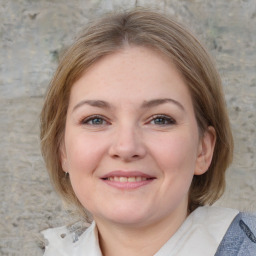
x=131 y=142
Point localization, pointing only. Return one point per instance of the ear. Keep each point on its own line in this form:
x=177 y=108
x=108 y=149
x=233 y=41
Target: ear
x=205 y=151
x=63 y=157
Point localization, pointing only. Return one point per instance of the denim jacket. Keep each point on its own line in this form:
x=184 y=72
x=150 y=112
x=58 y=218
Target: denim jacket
x=240 y=238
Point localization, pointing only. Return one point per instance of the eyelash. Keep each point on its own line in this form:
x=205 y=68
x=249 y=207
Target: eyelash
x=85 y=121
x=167 y=119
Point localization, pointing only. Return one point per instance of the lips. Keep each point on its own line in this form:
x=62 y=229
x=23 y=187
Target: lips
x=127 y=179
x=126 y=174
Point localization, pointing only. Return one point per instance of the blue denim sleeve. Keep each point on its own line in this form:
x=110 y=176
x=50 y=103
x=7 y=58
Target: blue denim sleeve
x=240 y=238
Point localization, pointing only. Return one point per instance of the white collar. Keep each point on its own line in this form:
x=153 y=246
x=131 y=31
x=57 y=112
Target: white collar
x=199 y=235
x=62 y=242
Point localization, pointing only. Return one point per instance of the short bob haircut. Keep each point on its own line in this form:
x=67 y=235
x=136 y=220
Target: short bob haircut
x=140 y=27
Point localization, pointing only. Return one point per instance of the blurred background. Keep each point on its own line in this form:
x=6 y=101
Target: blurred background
x=32 y=35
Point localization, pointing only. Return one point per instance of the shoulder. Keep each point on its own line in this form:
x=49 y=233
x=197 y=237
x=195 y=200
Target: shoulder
x=240 y=238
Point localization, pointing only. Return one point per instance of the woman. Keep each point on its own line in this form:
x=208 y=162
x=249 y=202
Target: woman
x=134 y=129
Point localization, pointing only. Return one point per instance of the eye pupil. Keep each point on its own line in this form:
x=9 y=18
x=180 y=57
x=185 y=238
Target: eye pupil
x=160 y=121
x=97 y=121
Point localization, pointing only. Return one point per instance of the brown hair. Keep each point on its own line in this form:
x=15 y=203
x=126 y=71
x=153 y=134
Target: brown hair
x=141 y=27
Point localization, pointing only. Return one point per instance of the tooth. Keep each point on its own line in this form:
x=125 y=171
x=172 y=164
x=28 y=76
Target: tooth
x=116 y=178
x=138 y=178
x=131 y=179
x=143 y=178
x=111 y=178
x=123 y=179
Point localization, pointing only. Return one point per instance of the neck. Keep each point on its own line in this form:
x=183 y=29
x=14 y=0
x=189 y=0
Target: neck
x=116 y=239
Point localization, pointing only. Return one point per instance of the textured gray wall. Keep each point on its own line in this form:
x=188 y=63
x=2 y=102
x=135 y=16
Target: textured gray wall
x=32 y=32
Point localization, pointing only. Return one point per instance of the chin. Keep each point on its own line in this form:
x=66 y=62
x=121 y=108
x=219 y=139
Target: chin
x=126 y=216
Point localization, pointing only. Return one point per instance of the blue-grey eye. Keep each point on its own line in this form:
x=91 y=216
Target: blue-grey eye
x=94 y=120
x=162 y=120
x=97 y=121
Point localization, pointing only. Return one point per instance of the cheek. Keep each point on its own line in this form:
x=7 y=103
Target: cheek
x=83 y=156
x=83 y=153
x=176 y=152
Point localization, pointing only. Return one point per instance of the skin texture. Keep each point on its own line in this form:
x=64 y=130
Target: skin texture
x=134 y=131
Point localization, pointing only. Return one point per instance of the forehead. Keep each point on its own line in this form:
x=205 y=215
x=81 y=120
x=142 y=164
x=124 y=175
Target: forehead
x=131 y=73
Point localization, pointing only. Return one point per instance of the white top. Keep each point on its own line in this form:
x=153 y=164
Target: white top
x=199 y=235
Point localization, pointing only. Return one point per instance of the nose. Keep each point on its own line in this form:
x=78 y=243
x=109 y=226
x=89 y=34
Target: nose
x=127 y=144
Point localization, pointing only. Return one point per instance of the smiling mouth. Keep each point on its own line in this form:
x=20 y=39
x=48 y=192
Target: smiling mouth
x=127 y=179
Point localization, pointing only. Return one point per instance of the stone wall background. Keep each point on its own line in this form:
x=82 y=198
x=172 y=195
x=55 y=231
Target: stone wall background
x=33 y=32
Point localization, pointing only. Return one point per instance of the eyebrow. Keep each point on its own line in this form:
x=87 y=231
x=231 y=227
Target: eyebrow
x=157 y=102
x=145 y=104
x=93 y=103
